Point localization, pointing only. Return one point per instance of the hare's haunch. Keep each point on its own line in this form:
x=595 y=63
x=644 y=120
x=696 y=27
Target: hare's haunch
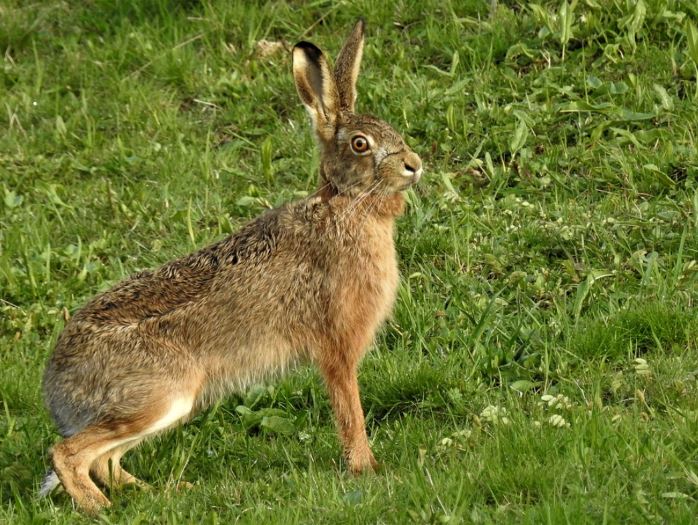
x=311 y=280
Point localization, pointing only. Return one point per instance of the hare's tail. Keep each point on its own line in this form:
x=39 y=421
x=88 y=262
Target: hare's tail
x=49 y=483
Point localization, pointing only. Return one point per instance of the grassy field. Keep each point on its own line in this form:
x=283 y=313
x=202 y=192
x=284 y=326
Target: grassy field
x=542 y=362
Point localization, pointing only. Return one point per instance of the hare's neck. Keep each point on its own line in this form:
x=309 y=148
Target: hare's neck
x=386 y=206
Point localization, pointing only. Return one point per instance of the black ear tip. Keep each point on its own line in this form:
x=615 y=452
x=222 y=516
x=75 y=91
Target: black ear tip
x=311 y=50
x=306 y=45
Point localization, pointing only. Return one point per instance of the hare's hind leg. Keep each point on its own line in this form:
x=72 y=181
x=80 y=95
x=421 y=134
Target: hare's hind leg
x=74 y=457
x=108 y=472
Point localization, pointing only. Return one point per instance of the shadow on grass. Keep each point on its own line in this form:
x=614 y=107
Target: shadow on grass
x=639 y=330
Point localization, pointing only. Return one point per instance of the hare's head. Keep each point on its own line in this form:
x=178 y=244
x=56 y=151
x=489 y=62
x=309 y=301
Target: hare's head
x=360 y=153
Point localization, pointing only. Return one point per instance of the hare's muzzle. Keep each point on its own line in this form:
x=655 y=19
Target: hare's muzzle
x=412 y=167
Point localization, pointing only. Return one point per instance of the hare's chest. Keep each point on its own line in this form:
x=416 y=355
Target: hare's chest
x=386 y=279
x=373 y=279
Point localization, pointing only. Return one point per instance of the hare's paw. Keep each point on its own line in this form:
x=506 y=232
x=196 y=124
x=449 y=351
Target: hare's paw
x=362 y=462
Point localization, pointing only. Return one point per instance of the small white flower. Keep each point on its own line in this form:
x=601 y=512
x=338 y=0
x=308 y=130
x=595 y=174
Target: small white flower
x=556 y=420
x=494 y=414
x=559 y=401
x=641 y=367
x=446 y=442
x=456 y=440
x=462 y=434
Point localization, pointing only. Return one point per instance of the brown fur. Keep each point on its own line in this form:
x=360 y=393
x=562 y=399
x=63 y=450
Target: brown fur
x=311 y=280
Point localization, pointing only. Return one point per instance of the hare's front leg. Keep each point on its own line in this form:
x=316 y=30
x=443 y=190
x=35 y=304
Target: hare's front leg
x=343 y=388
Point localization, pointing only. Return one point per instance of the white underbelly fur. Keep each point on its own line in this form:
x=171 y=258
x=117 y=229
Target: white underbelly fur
x=179 y=409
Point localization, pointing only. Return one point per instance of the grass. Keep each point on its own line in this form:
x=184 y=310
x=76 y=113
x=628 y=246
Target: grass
x=542 y=362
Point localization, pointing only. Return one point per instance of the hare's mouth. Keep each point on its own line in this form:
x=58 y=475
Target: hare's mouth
x=414 y=175
x=405 y=184
x=411 y=176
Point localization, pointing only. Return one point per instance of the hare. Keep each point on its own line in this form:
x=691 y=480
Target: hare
x=311 y=280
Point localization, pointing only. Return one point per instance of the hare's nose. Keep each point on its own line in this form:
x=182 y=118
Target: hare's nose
x=412 y=166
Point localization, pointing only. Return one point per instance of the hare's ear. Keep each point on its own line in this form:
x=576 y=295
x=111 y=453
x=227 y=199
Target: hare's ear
x=316 y=87
x=346 y=70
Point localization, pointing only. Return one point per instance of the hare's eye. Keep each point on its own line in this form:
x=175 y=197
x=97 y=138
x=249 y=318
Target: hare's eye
x=359 y=144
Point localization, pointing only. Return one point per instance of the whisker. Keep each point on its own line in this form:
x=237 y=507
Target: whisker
x=319 y=190
x=380 y=194
x=339 y=192
x=352 y=206
x=356 y=205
